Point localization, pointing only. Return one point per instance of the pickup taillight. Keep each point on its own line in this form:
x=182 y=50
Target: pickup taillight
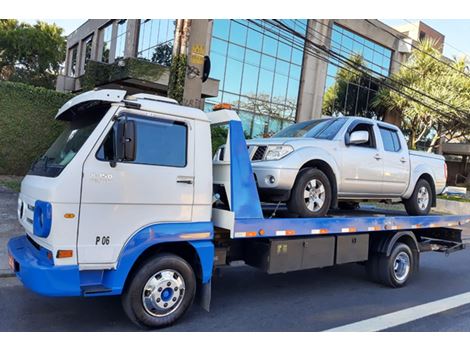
x=445 y=171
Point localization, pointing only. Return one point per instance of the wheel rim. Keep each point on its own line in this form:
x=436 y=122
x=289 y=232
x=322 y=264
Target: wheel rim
x=423 y=198
x=401 y=266
x=314 y=195
x=163 y=293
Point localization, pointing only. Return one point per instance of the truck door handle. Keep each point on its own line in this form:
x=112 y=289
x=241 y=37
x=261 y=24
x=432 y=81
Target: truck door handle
x=377 y=156
x=184 y=180
x=403 y=160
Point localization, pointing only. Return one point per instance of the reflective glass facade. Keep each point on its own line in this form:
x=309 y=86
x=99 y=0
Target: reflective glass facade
x=106 y=33
x=156 y=41
x=354 y=94
x=121 y=38
x=259 y=74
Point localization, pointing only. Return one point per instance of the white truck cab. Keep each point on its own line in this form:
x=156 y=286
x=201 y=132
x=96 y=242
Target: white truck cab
x=94 y=188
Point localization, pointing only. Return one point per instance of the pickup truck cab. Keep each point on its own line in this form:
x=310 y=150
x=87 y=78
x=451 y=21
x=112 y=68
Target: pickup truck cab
x=313 y=165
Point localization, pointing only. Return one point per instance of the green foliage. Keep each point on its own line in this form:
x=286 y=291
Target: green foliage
x=27 y=127
x=448 y=85
x=219 y=137
x=98 y=73
x=177 y=77
x=31 y=53
x=163 y=54
x=348 y=95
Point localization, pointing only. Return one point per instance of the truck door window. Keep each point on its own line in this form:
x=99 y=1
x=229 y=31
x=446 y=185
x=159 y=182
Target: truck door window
x=365 y=127
x=158 y=142
x=390 y=139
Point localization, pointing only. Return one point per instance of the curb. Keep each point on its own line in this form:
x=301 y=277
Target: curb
x=6 y=274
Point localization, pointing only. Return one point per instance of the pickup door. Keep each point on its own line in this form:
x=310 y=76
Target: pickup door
x=396 y=161
x=361 y=164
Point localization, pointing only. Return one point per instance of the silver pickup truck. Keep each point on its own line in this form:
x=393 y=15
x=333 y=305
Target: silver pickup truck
x=329 y=162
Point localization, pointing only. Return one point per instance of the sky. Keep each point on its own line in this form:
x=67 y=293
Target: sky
x=457 y=32
x=68 y=25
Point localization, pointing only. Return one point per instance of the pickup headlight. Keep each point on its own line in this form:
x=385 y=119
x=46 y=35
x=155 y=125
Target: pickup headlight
x=276 y=152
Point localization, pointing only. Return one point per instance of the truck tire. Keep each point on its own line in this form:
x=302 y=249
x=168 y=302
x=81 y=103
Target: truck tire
x=421 y=200
x=397 y=269
x=311 y=194
x=160 y=291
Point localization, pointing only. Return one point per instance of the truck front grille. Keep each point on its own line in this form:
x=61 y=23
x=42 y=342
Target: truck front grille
x=259 y=152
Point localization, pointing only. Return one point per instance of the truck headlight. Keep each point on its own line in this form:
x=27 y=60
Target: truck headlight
x=276 y=152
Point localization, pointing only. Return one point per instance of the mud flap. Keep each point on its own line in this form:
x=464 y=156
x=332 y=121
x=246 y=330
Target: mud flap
x=204 y=295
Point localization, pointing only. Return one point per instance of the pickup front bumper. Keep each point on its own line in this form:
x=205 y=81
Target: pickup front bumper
x=36 y=270
x=274 y=184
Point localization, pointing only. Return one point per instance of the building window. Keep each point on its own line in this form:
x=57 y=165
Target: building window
x=156 y=39
x=73 y=52
x=121 y=38
x=422 y=36
x=86 y=47
x=349 y=92
x=259 y=73
x=106 y=35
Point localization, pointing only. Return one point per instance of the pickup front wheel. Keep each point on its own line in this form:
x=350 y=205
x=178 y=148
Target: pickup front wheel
x=421 y=200
x=311 y=194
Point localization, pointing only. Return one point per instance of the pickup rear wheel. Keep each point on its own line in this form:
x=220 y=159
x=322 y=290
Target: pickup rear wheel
x=421 y=200
x=311 y=194
x=160 y=291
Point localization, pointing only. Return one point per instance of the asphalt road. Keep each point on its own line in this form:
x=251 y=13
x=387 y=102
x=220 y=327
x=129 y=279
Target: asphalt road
x=244 y=299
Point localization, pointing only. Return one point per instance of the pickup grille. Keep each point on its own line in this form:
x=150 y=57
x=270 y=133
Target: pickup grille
x=259 y=152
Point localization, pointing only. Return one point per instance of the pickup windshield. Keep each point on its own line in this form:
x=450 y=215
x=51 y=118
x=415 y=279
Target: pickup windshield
x=63 y=150
x=319 y=128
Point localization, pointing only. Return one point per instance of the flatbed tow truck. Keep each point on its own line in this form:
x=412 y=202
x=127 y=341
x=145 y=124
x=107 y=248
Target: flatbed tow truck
x=110 y=222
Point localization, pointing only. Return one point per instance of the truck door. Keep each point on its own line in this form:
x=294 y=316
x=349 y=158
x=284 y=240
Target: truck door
x=362 y=165
x=396 y=162
x=120 y=198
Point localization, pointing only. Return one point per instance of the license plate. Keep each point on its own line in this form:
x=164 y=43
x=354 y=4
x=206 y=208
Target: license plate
x=11 y=262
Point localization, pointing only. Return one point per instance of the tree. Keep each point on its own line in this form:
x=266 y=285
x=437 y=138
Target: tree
x=163 y=54
x=351 y=93
x=31 y=53
x=422 y=118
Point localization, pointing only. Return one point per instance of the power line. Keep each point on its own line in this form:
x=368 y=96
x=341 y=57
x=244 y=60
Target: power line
x=419 y=49
x=386 y=77
x=445 y=42
x=354 y=66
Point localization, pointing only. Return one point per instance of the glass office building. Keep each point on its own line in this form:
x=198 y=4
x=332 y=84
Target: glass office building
x=259 y=73
x=356 y=98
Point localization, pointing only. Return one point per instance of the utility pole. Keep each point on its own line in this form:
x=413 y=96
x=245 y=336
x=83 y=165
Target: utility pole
x=191 y=45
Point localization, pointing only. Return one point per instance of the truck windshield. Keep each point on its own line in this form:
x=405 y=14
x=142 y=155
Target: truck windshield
x=63 y=150
x=319 y=128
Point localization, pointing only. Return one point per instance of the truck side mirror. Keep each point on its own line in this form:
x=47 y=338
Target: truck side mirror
x=359 y=137
x=125 y=142
x=128 y=141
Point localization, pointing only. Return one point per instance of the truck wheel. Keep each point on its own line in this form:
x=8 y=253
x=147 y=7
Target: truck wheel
x=160 y=291
x=420 y=201
x=311 y=194
x=395 y=270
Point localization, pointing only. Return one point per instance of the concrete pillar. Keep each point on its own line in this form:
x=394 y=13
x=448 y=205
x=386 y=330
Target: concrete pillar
x=198 y=47
x=313 y=77
x=132 y=38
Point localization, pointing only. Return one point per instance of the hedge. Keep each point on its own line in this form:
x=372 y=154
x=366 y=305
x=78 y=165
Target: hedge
x=27 y=125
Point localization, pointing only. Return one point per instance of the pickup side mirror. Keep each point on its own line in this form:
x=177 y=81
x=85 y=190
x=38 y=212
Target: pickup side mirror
x=125 y=142
x=358 y=137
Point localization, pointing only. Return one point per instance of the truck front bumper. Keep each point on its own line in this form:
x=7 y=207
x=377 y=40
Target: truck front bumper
x=36 y=270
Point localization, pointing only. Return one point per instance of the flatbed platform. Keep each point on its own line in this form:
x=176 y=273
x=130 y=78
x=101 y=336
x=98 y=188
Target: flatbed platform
x=278 y=222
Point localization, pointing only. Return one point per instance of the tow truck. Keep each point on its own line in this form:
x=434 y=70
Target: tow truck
x=129 y=201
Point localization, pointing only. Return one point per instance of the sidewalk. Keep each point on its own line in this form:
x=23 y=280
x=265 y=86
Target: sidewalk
x=9 y=226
